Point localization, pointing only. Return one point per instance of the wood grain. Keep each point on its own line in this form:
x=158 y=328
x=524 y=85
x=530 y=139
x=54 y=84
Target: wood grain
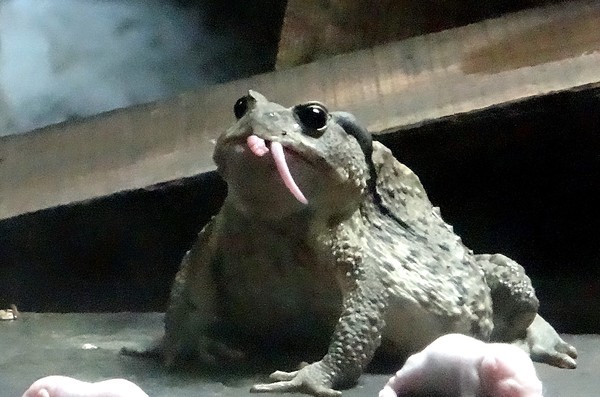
x=391 y=88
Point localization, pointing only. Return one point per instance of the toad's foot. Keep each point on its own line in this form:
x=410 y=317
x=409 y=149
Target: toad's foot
x=546 y=346
x=311 y=379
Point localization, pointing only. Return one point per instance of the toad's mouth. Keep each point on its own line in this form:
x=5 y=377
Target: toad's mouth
x=260 y=147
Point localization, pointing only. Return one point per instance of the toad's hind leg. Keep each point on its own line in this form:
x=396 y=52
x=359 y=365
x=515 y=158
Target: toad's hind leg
x=514 y=302
x=515 y=313
x=545 y=345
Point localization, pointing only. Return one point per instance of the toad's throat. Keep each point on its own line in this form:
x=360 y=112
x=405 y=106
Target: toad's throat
x=259 y=147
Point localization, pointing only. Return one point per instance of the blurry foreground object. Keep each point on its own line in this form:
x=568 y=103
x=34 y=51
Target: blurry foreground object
x=459 y=365
x=63 y=386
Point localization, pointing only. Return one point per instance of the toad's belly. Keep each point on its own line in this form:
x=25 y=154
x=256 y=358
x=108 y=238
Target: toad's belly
x=410 y=327
x=280 y=300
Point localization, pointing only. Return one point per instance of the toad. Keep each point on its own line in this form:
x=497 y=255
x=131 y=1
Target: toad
x=325 y=240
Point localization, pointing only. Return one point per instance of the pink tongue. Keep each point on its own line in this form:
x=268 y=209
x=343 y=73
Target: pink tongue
x=258 y=147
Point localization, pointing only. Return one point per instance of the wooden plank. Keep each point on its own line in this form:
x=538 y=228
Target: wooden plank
x=316 y=29
x=390 y=88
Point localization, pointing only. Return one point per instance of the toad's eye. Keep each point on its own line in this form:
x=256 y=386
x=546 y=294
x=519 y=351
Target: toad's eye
x=241 y=107
x=313 y=116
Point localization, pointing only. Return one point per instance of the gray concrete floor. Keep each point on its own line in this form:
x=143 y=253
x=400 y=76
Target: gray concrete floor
x=38 y=345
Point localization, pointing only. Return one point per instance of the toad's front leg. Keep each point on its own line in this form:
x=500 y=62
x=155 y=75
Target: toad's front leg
x=356 y=337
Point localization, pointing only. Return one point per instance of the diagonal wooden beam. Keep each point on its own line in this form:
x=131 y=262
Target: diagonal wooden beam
x=390 y=88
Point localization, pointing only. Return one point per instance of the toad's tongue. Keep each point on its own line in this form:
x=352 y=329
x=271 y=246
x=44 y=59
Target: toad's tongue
x=258 y=147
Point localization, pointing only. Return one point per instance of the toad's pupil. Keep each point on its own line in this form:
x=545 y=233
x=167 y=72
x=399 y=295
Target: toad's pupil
x=240 y=107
